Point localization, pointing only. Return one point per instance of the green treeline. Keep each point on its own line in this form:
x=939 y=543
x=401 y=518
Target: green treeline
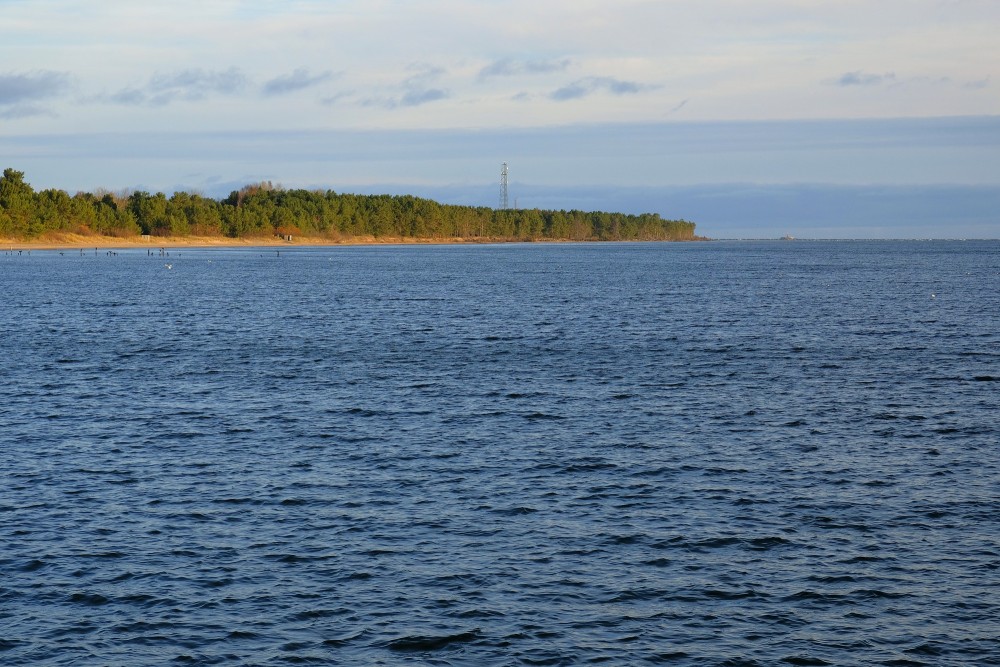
x=264 y=210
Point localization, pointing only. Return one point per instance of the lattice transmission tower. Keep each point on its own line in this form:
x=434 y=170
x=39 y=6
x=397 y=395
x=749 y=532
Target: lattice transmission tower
x=503 y=187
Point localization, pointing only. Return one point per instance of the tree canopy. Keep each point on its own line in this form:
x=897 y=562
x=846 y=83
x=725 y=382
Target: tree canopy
x=262 y=209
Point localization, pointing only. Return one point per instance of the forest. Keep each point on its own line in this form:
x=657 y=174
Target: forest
x=265 y=210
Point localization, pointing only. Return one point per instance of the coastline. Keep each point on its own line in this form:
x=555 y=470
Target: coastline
x=79 y=241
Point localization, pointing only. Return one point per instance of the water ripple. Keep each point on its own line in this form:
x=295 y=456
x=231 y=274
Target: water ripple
x=695 y=454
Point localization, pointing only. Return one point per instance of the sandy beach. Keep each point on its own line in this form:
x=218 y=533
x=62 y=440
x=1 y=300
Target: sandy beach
x=75 y=241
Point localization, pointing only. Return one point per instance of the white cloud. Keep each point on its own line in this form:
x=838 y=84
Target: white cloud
x=859 y=78
x=295 y=81
x=516 y=67
x=413 y=97
x=415 y=90
x=594 y=84
x=416 y=97
x=190 y=85
x=15 y=111
x=19 y=87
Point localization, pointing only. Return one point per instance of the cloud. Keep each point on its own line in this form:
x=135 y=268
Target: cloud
x=189 y=85
x=128 y=97
x=415 y=98
x=195 y=84
x=423 y=73
x=23 y=111
x=297 y=80
x=15 y=89
x=336 y=98
x=859 y=78
x=411 y=98
x=416 y=89
x=595 y=84
x=512 y=67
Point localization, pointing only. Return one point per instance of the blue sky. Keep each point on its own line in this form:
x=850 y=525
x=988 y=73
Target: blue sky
x=750 y=118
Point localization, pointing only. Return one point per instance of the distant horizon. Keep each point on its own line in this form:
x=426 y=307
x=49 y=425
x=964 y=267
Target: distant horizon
x=731 y=211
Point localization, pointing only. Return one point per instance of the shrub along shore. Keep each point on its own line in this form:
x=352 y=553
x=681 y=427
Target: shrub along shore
x=264 y=214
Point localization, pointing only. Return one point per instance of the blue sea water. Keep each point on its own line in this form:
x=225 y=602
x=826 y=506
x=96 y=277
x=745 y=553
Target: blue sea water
x=725 y=453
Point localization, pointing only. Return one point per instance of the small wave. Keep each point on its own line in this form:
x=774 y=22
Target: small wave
x=8 y=644
x=102 y=554
x=829 y=523
x=766 y=543
x=361 y=412
x=298 y=646
x=33 y=565
x=715 y=594
x=313 y=614
x=345 y=639
x=927 y=648
x=636 y=595
x=143 y=599
x=875 y=594
x=92 y=599
x=236 y=501
x=478 y=613
x=677 y=542
x=810 y=596
x=418 y=643
x=588 y=467
x=804 y=660
x=669 y=656
x=285 y=558
x=514 y=511
x=832 y=579
x=542 y=416
x=714 y=543
x=862 y=559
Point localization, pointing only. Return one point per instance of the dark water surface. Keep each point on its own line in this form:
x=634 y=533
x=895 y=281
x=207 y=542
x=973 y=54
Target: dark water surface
x=724 y=453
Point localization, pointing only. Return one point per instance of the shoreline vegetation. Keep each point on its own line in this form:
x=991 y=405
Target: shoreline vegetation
x=263 y=214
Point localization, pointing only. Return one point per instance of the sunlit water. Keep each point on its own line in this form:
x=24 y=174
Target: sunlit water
x=696 y=454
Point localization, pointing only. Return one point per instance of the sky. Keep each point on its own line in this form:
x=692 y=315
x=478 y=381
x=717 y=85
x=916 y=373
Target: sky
x=838 y=119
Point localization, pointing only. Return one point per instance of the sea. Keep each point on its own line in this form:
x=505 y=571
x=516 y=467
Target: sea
x=711 y=453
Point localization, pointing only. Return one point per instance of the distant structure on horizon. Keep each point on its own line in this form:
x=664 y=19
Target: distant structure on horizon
x=503 y=187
